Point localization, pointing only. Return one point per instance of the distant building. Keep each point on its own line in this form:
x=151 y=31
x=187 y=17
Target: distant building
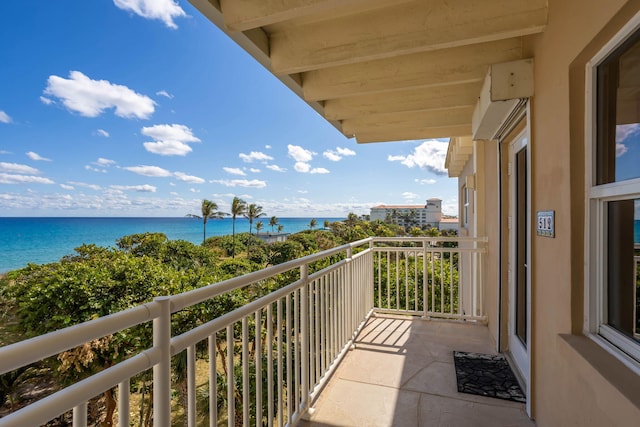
x=272 y=237
x=428 y=215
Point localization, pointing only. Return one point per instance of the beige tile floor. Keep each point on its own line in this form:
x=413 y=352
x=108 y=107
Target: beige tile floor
x=401 y=373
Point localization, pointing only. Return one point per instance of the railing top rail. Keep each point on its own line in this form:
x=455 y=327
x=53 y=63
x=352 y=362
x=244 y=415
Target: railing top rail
x=37 y=348
x=25 y=352
x=180 y=301
x=430 y=239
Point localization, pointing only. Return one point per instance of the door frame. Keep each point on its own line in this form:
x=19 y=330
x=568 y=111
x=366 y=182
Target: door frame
x=520 y=359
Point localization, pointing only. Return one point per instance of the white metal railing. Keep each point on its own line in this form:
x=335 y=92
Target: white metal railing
x=268 y=360
x=433 y=277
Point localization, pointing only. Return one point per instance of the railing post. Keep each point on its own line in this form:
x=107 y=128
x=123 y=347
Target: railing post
x=162 y=370
x=304 y=342
x=123 y=402
x=80 y=415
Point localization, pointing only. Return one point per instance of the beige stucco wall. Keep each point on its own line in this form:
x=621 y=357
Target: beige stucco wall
x=571 y=384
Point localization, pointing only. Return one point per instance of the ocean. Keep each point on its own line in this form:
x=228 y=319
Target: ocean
x=45 y=240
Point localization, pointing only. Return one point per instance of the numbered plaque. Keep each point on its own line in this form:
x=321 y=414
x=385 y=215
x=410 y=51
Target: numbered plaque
x=545 y=225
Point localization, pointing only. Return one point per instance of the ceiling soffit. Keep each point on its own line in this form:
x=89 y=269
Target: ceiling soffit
x=412 y=70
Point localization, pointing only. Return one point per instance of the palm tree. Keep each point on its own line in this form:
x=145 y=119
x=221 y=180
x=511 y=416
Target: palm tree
x=273 y=222
x=252 y=212
x=326 y=224
x=280 y=228
x=312 y=224
x=259 y=227
x=209 y=210
x=238 y=206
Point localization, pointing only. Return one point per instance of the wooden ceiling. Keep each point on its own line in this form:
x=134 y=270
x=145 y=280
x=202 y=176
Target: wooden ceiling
x=382 y=70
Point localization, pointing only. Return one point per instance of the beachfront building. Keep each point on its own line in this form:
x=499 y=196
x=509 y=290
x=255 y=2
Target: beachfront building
x=424 y=216
x=540 y=99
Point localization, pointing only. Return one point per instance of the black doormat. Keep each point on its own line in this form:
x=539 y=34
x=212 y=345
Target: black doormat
x=486 y=375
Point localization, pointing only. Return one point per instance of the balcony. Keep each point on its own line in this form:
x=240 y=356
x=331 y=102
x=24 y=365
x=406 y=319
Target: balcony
x=361 y=334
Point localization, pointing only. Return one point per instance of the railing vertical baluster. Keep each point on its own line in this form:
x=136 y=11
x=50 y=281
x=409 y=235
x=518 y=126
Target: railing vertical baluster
x=451 y=283
x=442 y=291
x=397 y=280
x=258 y=362
x=80 y=415
x=246 y=393
x=388 y=279
x=323 y=323
x=317 y=327
x=406 y=279
x=191 y=386
x=295 y=357
x=425 y=279
x=213 y=381
x=162 y=370
x=279 y=343
x=231 y=406
x=288 y=355
x=379 y=257
x=304 y=315
x=433 y=283
x=270 y=365
x=124 y=402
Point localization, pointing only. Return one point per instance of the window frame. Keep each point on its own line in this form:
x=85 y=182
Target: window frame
x=597 y=196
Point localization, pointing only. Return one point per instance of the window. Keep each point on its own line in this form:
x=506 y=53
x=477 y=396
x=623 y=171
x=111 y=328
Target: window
x=465 y=207
x=614 y=194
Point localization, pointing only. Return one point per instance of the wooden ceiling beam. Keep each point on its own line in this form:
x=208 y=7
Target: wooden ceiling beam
x=242 y=15
x=420 y=99
x=365 y=137
x=403 y=29
x=458 y=65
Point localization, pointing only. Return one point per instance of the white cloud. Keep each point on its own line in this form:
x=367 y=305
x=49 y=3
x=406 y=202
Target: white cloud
x=46 y=101
x=302 y=167
x=621 y=149
x=170 y=140
x=36 y=156
x=139 y=188
x=268 y=147
x=193 y=190
x=345 y=151
x=319 y=170
x=17 y=168
x=332 y=155
x=234 y=171
x=276 y=168
x=429 y=155
x=189 y=178
x=254 y=170
x=104 y=162
x=165 y=94
x=4 y=117
x=338 y=154
x=90 y=97
x=92 y=169
x=253 y=183
x=409 y=195
x=8 y=178
x=67 y=187
x=85 y=185
x=148 y=170
x=425 y=181
x=623 y=132
x=163 y=10
x=303 y=191
x=299 y=154
x=255 y=156
x=103 y=132
x=168 y=148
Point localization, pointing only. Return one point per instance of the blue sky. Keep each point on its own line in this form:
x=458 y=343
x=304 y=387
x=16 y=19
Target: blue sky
x=144 y=108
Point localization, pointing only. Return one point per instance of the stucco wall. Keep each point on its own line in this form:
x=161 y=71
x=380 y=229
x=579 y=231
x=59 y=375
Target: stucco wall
x=568 y=387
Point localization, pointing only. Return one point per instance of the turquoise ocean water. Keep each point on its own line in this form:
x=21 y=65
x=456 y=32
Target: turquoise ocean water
x=44 y=240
